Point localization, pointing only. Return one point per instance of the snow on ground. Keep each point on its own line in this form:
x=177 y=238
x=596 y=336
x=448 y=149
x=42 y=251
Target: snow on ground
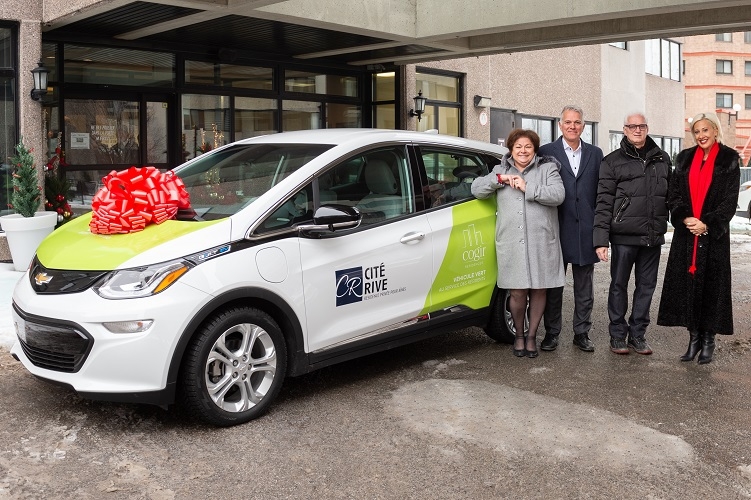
x=740 y=243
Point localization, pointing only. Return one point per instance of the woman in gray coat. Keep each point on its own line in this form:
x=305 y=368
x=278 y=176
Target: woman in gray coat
x=528 y=189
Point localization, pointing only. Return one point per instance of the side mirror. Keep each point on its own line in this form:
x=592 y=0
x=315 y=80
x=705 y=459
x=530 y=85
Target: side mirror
x=330 y=218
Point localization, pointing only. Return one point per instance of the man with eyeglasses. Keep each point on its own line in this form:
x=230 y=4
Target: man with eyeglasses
x=580 y=166
x=632 y=217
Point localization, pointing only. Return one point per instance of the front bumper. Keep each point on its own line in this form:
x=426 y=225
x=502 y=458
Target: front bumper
x=62 y=338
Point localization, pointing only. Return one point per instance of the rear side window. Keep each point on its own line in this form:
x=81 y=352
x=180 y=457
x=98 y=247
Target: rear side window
x=450 y=173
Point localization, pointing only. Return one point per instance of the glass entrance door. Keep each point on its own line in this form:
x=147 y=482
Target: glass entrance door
x=114 y=131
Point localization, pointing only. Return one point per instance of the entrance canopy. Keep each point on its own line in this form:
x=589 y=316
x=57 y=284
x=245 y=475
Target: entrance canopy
x=373 y=33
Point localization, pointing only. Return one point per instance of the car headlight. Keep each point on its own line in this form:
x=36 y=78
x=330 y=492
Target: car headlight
x=141 y=281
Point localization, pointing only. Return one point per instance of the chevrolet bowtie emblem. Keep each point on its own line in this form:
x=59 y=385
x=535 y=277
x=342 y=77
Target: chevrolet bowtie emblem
x=42 y=279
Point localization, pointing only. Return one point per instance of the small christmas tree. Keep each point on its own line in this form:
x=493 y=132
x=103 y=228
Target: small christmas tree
x=56 y=187
x=26 y=190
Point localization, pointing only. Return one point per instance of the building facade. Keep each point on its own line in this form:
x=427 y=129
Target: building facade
x=112 y=103
x=717 y=71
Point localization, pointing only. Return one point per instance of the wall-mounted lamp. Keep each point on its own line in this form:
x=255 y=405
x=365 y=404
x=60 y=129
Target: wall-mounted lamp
x=482 y=102
x=419 y=106
x=40 y=81
x=736 y=108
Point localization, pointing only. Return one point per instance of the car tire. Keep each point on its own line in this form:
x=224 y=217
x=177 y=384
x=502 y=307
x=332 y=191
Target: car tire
x=500 y=327
x=234 y=367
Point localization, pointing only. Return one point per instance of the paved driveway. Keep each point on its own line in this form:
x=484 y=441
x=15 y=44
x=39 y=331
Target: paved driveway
x=456 y=416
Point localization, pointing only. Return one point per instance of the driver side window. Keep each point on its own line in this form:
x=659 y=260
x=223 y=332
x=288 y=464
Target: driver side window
x=450 y=174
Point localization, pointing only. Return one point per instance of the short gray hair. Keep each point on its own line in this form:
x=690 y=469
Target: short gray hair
x=574 y=108
x=634 y=113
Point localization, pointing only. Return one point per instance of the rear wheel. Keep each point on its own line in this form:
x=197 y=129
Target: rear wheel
x=234 y=367
x=501 y=325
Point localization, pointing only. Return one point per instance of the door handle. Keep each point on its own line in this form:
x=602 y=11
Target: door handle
x=412 y=237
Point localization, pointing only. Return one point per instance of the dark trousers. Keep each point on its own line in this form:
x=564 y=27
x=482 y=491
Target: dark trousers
x=584 y=299
x=645 y=262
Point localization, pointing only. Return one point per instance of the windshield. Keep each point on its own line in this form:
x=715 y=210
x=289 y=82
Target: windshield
x=223 y=182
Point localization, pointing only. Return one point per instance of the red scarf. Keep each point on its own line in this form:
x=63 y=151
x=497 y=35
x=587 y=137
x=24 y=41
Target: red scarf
x=699 y=179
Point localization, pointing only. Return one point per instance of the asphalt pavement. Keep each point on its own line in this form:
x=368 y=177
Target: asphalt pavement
x=455 y=416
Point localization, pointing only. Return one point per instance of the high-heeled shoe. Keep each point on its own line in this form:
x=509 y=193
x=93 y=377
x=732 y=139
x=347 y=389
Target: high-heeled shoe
x=532 y=353
x=519 y=353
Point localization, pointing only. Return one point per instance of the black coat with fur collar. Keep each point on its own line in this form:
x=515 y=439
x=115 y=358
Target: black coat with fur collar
x=703 y=302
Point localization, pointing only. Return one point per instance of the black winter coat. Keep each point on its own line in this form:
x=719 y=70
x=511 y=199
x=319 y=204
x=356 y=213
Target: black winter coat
x=703 y=302
x=631 y=197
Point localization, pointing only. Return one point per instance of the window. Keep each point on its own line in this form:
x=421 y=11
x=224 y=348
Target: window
x=378 y=183
x=205 y=123
x=228 y=75
x=384 y=100
x=724 y=67
x=671 y=145
x=747 y=66
x=747 y=36
x=748 y=101
x=723 y=37
x=254 y=116
x=724 y=100
x=663 y=58
x=316 y=83
x=619 y=45
x=543 y=127
x=107 y=65
x=615 y=140
x=443 y=110
x=450 y=174
x=8 y=110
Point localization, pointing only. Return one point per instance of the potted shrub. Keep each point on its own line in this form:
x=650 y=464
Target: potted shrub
x=26 y=229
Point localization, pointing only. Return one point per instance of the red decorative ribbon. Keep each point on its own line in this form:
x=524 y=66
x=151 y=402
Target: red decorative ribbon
x=132 y=198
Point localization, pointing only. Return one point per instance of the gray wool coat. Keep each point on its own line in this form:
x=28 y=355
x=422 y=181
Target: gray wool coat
x=527 y=238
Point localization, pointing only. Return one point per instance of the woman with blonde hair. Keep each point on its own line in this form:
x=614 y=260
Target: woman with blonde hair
x=702 y=197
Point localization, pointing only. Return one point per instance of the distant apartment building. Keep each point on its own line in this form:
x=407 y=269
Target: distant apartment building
x=528 y=90
x=717 y=74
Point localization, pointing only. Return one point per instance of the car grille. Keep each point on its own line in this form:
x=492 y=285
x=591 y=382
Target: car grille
x=61 y=347
x=56 y=281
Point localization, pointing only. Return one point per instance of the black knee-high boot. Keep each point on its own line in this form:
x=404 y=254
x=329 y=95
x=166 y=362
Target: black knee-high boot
x=694 y=346
x=707 y=348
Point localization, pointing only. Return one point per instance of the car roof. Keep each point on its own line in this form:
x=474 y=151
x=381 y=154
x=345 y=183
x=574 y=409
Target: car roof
x=343 y=136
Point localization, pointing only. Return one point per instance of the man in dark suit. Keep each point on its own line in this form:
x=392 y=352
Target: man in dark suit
x=580 y=167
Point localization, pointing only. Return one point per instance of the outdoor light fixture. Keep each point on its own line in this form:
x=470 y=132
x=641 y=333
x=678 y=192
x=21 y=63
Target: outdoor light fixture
x=419 y=106
x=736 y=108
x=482 y=102
x=40 y=81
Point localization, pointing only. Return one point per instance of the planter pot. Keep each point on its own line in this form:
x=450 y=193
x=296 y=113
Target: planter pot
x=24 y=234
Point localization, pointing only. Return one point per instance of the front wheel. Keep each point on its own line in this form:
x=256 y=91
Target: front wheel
x=234 y=367
x=501 y=327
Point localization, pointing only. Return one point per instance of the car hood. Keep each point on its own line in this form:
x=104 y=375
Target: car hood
x=73 y=246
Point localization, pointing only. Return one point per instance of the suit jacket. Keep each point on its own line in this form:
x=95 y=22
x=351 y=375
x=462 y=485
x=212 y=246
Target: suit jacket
x=576 y=215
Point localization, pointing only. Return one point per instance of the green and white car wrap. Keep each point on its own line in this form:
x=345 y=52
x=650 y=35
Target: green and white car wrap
x=216 y=312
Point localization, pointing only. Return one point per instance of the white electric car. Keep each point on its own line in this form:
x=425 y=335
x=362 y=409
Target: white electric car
x=299 y=250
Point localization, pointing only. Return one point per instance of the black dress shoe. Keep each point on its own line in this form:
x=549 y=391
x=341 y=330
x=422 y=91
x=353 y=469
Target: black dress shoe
x=520 y=353
x=532 y=354
x=582 y=342
x=549 y=343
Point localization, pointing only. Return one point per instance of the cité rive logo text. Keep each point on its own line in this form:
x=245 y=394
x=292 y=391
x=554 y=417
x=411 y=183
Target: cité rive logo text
x=355 y=283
